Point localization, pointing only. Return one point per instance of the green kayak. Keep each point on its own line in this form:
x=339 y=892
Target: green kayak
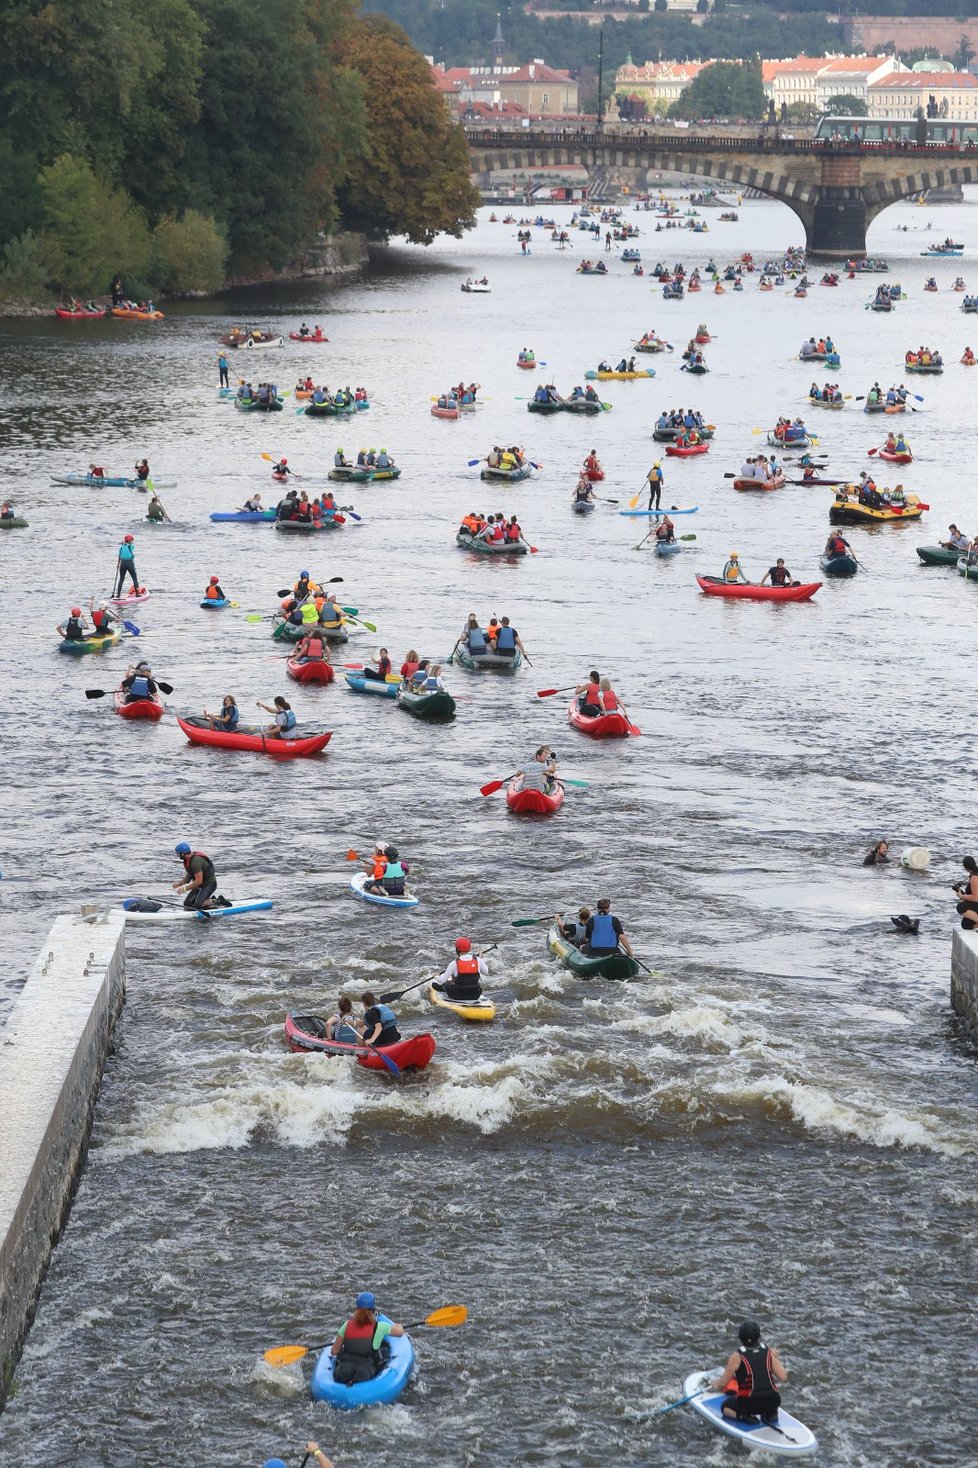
x=533 y=406
x=491 y=547
x=968 y=571
x=13 y=522
x=938 y=555
x=329 y=410
x=434 y=705
x=487 y=661
x=610 y=966
x=249 y=405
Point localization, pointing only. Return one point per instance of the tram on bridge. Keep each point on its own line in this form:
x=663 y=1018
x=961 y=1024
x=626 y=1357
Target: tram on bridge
x=941 y=131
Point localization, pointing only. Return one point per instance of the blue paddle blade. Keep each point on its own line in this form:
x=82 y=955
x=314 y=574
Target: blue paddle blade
x=131 y=628
x=391 y=1065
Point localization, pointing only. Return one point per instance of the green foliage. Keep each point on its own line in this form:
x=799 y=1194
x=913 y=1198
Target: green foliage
x=803 y=112
x=91 y=228
x=189 y=254
x=22 y=274
x=724 y=89
x=844 y=104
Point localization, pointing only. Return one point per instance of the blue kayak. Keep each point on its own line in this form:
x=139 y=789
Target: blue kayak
x=667 y=547
x=386 y=1386
x=582 y=507
x=691 y=510
x=358 y=884
x=360 y=684
x=244 y=517
x=213 y=604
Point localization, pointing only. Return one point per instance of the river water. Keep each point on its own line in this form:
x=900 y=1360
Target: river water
x=780 y=1123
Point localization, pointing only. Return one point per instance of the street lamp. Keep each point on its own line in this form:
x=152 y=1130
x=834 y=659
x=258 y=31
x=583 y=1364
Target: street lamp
x=600 y=73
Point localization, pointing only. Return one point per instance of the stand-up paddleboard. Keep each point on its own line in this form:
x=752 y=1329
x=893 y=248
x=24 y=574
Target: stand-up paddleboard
x=790 y=1439
x=691 y=510
x=358 y=884
x=258 y=904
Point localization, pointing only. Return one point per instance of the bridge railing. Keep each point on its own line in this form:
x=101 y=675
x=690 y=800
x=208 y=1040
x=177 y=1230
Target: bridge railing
x=503 y=135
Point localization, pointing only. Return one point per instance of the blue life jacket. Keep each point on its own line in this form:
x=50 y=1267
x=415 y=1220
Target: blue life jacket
x=394 y=872
x=477 y=640
x=431 y=683
x=603 y=934
x=387 y=1016
x=139 y=688
x=126 y=552
x=231 y=716
x=506 y=640
x=289 y=719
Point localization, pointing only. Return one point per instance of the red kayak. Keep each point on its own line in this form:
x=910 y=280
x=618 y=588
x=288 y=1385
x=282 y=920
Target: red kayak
x=140 y=708
x=594 y=475
x=891 y=457
x=702 y=339
x=306 y=1033
x=291 y=747
x=451 y=413
x=601 y=726
x=533 y=802
x=313 y=670
x=716 y=586
x=297 y=336
x=67 y=315
x=689 y=452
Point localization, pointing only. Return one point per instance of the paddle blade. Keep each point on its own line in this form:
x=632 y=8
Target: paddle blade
x=491 y=788
x=634 y=730
x=634 y=500
x=528 y=922
x=132 y=629
x=269 y=458
x=352 y=856
x=166 y=688
x=391 y=1065
x=94 y=692
x=284 y=1355
x=547 y=692
x=448 y=1315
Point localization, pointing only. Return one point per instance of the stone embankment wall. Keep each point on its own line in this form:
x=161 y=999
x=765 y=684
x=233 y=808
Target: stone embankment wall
x=964 y=978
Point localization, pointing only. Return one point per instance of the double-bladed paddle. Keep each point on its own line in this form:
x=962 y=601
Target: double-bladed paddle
x=447 y=1315
x=495 y=785
x=104 y=692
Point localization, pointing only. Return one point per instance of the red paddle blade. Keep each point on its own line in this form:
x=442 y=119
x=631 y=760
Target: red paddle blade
x=355 y=667
x=533 y=550
x=352 y=856
x=547 y=692
x=634 y=730
x=491 y=788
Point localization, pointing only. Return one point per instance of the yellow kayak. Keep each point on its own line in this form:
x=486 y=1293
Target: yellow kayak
x=619 y=376
x=478 y=1009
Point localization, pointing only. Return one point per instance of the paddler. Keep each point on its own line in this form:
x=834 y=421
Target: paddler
x=155 y=511
x=200 y=880
x=748 y=1379
x=281 y=469
x=311 y=648
x=142 y=471
x=7 y=511
x=223 y=367
x=74 y=629
x=330 y=614
x=379 y=1022
x=214 y=591
x=665 y=531
x=304 y=587
x=254 y=505
x=283 y=714
x=227 y=719
x=340 y=461
x=388 y=874
x=583 y=493
x=313 y=1450
x=837 y=545
x=540 y=771
x=102 y=618
x=957 y=541
x=778 y=573
x=359 y=1344
x=139 y=683
x=603 y=933
x=460 y=980
x=126 y=565
x=592 y=464
x=656 y=482
x=382 y=669
x=733 y=571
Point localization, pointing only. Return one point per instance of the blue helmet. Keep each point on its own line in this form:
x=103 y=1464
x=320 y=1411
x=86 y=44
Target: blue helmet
x=183 y=848
x=274 y=1463
x=303 y=575
x=365 y=1300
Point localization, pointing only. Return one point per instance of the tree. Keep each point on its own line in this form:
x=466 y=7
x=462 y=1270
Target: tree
x=413 y=178
x=91 y=229
x=844 y=104
x=963 y=55
x=189 y=254
x=631 y=107
x=803 y=112
x=724 y=89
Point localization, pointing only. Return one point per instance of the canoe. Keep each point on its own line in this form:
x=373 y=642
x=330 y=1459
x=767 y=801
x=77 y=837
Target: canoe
x=792 y=443
x=487 y=662
x=258 y=904
x=533 y=406
x=133 y=599
x=91 y=644
x=763 y=484
x=967 y=569
x=690 y=452
x=838 y=565
x=312 y=670
x=528 y=363
x=307 y=336
x=666 y=548
x=360 y=684
x=244 y=517
x=78 y=315
x=582 y=507
x=386 y=1386
x=248 y=340
x=601 y=726
x=491 y=547
x=357 y=887
x=214 y=603
x=293 y=632
x=619 y=376
x=329 y=410
x=308 y=527
x=789 y=1439
x=450 y=413
x=307 y=1033
x=747 y=591
x=435 y=705
x=938 y=555
x=889 y=456
x=853 y=513
x=522 y=471
x=475 y=1010
x=13 y=522
x=533 y=802
x=140 y=708
x=110 y=481
x=125 y=313
x=294 y=746
x=924 y=369
x=825 y=403
x=590 y=965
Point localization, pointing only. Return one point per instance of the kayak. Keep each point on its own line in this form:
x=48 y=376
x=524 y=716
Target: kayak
x=938 y=555
x=139 y=708
x=666 y=435
x=582 y=507
x=450 y=413
x=435 y=705
x=386 y=1386
x=688 y=452
x=763 y=484
x=527 y=363
x=296 y=746
x=481 y=1009
x=491 y=547
x=838 y=565
x=522 y=471
x=308 y=1033
x=790 y=1439
x=619 y=376
x=290 y=632
x=258 y=904
x=308 y=527
x=310 y=670
x=851 y=512
x=387 y=689
x=248 y=405
x=537 y=406
x=329 y=410
x=67 y=315
x=533 y=802
x=487 y=661
x=792 y=443
x=126 y=313
x=666 y=548
x=13 y=522
x=689 y=510
x=748 y=591
x=890 y=456
x=358 y=885
x=308 y=336
x=91 y=644
x=214 y=603
x=243 y=517
x=593 y=475
x=590 y=965
x=600 y=726
x=110 y=481
x=132 y=599
x=697 y=368
x=584 y=405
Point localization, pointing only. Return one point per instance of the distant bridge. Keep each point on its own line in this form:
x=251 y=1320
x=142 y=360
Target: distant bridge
x=836 y=189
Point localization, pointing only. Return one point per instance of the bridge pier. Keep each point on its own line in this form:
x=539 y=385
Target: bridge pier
x=837 y=227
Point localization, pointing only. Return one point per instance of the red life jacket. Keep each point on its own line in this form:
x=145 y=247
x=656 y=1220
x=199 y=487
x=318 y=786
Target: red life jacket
x=497 y=531
x=609 y=700
x=466 y=964
x=513 y=532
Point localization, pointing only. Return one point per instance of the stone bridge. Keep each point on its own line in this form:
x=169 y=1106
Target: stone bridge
x=836 y=189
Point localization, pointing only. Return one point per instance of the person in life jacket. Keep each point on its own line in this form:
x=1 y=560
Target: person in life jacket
x=282 y=469
x=291 y=611
x=749 y=1378
x=460 y=979
x=837 y=545
x=779 y=575
x=285 y=720
x=359 y=1349
x=214 y=591
x=102 y=618
x=512 y=531
x=379 y=1022
x=227 y=719
x=589 y=695
x=330 y=613
x=142 y=470
x=126 y=565
x=155 y=511
x=199 y=881
x=304 y=586
x=311 y=648
x=732 y=570
x=508 y=640
x=383 y=669
x=139 y=683
x=74 y=629
x=313 y=1450
x=340 y=461
x=387 y=874
x=603 y=933
x=573 y=929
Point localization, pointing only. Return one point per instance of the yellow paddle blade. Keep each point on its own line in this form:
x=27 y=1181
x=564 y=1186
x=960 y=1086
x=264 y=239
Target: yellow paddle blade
x=448 y=1315
x=634 y=500
x=269 y=458
x=285 y=1355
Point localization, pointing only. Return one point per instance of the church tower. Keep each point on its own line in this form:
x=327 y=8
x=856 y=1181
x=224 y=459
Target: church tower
x=498 y=43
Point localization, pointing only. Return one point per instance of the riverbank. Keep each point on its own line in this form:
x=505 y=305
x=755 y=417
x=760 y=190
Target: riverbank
x=339 y=254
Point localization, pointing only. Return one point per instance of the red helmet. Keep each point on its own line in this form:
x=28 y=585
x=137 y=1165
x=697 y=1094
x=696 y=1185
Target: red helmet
x=215 y=580
x=126 y=539
x=286 y=603
x=463 y=945
x=76 y=611
x=284 y=461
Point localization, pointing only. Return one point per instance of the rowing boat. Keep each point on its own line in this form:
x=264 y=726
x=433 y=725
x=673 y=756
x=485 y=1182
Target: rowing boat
x=590 y=965
x=482 y=547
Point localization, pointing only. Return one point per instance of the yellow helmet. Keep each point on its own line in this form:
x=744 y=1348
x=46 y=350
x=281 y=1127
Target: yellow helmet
x=734 y=556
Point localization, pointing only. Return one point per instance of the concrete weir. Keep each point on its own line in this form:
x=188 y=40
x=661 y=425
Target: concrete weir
x=52 y=1052
x=964 y=977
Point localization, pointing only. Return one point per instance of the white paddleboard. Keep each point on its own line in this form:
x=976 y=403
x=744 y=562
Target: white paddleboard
x=790 y=1439
x=167 y=914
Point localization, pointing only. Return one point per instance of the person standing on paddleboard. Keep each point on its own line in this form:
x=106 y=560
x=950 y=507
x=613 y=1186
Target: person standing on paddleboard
x=126 y=565
x=656 y=481
x=748 y=1379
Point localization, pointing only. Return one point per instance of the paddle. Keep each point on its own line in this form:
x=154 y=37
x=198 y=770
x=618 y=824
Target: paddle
x=529 y=922
x=446 y=1316
x=643 y=540
x=104 y=692
x=288 y=590
x=370 y=626
x=495 y=785
x=131 y=628
x=549 y=692
x=680 y=1403
x=636 y=497
x=396 y=994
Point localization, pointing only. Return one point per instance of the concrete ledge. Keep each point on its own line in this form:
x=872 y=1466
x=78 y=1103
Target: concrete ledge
x=52 y=1052
x=964 y=977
